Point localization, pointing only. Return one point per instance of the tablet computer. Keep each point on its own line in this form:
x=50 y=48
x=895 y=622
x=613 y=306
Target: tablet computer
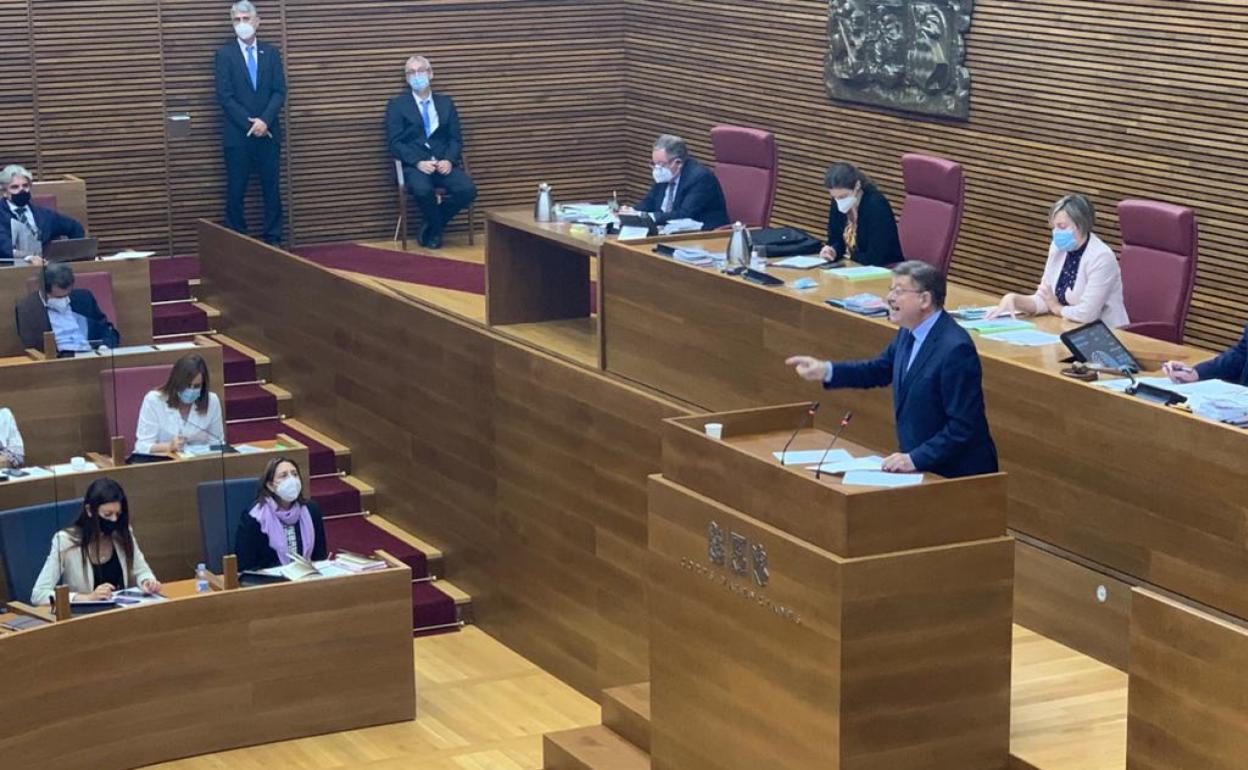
x=1095 y=343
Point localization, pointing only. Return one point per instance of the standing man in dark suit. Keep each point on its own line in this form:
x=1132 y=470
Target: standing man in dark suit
x=422 y=131
x=25 y=229
x=683 y=188
x=251 y=88
x=938 y=394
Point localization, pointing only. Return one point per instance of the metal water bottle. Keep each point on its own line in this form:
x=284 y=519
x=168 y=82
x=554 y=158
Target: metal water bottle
x=739 y=248
x=544 y=210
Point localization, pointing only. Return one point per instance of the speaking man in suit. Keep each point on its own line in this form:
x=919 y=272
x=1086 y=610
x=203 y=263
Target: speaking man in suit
x=26 y=229
x=683 y=188
x=251 y=88
x=423 y=131
x=938 y=395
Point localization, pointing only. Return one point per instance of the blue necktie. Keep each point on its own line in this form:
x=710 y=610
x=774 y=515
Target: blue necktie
x=251 y=66
x=907 y=346
x=424 y=115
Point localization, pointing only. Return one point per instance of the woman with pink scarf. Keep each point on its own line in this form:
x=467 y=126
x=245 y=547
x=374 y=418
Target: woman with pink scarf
x=281 y=522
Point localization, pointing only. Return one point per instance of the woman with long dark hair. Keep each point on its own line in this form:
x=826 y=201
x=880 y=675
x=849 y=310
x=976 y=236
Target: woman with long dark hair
x=282 y=521
x=861 y=225
x=182 y=411
x=97 y=554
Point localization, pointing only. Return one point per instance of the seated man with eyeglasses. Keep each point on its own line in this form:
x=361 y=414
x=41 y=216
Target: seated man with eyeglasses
x=933 y=366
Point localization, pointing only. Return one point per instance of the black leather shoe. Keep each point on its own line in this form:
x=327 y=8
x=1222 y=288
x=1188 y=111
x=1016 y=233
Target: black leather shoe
x=434 y=241
x=423 y=238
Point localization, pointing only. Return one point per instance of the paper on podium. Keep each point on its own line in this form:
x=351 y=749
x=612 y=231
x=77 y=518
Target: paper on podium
x=881 y=479
x=808 y=456
x=872 y=463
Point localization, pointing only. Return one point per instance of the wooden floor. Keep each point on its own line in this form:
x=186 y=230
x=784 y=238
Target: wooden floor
x=1068 y=712
x=479 y=706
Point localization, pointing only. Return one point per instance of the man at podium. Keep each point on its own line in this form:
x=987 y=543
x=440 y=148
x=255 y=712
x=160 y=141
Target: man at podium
x=932 y=364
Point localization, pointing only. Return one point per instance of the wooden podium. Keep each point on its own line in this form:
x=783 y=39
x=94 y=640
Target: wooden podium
x=803 y=624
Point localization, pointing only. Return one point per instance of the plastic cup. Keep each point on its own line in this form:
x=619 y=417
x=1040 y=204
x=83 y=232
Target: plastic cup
x=78 y=463
x=714 y=429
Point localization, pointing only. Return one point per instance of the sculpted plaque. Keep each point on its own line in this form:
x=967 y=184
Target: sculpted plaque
x=903 y=54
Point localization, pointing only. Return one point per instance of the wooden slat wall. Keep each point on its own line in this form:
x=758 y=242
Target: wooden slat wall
x=109 y=71
x=1134 y=98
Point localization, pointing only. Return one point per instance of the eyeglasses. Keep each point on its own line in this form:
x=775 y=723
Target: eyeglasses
x=894 y=290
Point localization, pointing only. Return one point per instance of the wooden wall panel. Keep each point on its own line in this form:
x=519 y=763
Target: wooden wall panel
x=1186 y=706
x=100 y=112
x=530 y=113
x=1115 y=99
x=17 y=102
x=528 y=471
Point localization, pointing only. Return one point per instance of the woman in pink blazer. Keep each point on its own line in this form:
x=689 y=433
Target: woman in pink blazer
x=1081 y=280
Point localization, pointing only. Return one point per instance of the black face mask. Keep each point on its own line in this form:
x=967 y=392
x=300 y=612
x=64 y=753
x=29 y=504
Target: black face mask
x=107 y=527
x=21 y=198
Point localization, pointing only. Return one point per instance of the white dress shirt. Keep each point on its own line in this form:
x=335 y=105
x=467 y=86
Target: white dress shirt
x=69 y=328
x=11 y=445
x=159 y=423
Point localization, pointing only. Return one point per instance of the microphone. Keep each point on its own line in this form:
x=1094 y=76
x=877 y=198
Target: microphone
x=839 y=430
x=810 y=415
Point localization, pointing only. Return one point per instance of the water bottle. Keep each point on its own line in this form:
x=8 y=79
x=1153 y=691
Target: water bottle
x=201 y=579
x=544 y=210
x=613 y=205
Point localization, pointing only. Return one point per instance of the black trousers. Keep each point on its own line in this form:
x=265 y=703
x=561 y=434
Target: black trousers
x=460 y=191
x=255 y=156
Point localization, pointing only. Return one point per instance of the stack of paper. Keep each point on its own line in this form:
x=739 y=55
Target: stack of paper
x=872 y=463
x=698 y=257
x=354 y=562
x=995 y=325
x=1027 y=338
x=800 y=263
x=863 y=304
x=864 y=273
x=881 y=479
x=680 y=226
x=808 y=456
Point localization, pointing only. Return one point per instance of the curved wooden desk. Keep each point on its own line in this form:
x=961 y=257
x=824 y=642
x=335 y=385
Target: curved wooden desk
x=206 y=673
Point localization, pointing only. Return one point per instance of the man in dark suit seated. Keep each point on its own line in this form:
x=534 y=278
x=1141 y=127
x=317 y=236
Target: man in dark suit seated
x=1230 y=365
x=71 y=314
x=25 y=229
x=423 y=131
x=683 y=187
x=932 y=364
x=251 y=88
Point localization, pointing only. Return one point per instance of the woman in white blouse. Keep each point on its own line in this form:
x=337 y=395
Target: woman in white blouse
x=183 y=411
x=1081 y=280
x=97 y=554
x=12 y=450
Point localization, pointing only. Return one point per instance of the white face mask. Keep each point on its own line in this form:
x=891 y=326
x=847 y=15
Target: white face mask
x=59 y=304
x=288 y=489
x=244 y=31
x=662 y=174
x=843 y=205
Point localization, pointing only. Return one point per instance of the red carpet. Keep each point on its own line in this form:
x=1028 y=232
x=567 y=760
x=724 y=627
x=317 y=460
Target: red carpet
x=395 y=265
x=180 y=318
x=249 y=402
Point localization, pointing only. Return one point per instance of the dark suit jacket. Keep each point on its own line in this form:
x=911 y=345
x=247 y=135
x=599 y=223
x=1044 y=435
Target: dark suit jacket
x=939 y=406
x=878 y=243
x=239 y=101
x=252 y=546
x=51 y=224
x=32 y=320
x=698 y=197
x=1231 y=365
x=405 y=131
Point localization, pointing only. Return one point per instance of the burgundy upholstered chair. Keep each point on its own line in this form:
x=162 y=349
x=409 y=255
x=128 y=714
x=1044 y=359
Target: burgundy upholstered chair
x=101 y=285
x=123 y=391
x=931 y=214
x=1159 y=247
x=747 y=169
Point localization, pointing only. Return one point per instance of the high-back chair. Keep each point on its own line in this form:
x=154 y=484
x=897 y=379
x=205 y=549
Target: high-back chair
x=931 y=214
x=747 y=169
x=220 y=510
x=1159 y=248
x=123 y=391
x=25 y=538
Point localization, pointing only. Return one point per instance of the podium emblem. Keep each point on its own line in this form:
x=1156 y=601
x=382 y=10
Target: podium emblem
x=761 y=573
x=715 y=543
x=740 y=564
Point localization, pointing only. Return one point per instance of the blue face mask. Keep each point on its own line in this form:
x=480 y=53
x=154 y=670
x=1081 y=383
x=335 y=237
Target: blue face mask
x=188 y=396
x=418 y=82
x=1064 y=240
